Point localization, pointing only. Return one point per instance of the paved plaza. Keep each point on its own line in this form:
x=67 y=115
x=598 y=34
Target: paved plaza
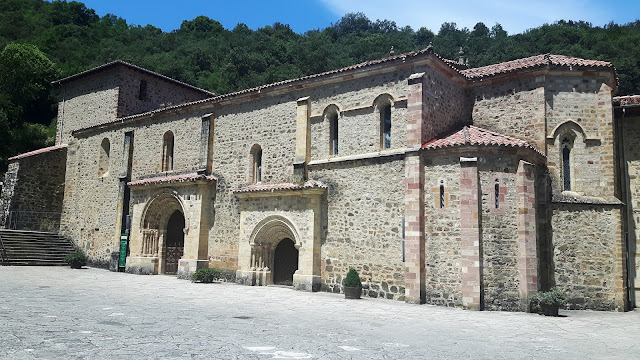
x=60 y=313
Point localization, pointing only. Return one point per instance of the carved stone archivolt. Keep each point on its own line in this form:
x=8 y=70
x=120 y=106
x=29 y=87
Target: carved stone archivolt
x=263 y=241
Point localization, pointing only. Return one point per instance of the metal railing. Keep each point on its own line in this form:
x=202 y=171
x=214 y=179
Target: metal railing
x=33 y=220
x=3 y=252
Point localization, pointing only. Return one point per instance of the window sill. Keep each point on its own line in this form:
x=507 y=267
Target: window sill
x=373 y=155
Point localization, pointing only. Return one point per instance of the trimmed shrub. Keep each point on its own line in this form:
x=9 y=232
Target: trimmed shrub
x=76 y=259
x=205 y=275
x=554 y=297
x=352 y=279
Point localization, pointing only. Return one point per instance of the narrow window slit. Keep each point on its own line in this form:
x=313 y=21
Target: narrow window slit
x=497 y=195
x=566 y=164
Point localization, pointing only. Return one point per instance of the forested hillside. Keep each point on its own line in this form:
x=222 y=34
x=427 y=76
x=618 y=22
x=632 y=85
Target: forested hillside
x=203 y=53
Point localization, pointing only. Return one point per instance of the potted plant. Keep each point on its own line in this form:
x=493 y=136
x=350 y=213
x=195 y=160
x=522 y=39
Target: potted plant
x=76 y=259
x=548 y=302
x=352 y=285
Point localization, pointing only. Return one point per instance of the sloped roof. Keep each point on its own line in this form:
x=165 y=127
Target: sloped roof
x=629 y=100
x=310 y=184
x=473 y=135
x=39 y=151
x=532 y=62
x=468 y=74
x=134 y=67
x=192 y=177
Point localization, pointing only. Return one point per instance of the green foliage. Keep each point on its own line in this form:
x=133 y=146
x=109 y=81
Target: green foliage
x=26 y=103
x=352 y=279
x=554 y=298
x=205 y=275
x=76 y=259
x=202 y=52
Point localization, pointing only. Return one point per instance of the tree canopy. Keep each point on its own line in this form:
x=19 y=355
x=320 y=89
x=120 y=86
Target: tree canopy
x=203 y=53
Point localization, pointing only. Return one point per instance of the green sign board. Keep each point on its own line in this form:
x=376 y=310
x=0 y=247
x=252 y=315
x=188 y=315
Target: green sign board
x=124 y=238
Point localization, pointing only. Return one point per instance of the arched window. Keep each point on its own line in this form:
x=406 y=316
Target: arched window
x=167 y=151
x=385 y=126
x=333 y=125
x=441 y=194
x=103 y=158
x=256 y=155
x=566 y=163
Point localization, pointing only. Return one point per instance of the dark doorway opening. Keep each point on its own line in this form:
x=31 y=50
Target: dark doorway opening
x=285 y=262
x=174 y=242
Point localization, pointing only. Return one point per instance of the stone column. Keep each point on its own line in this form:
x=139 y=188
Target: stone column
x=206 y=144
x=303 y=139
x=196 y=239
x=414 y=197
x=471 y=230
x=527 y=255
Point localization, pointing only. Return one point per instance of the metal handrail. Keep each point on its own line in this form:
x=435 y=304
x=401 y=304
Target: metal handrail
x=3 y=252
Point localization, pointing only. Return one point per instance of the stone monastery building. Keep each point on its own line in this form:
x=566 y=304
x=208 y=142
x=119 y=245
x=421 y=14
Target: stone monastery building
x=439 y=183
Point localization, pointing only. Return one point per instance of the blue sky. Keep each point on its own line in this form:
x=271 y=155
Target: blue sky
x=514 y=15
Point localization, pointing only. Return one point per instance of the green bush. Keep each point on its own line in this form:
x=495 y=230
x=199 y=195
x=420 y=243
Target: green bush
x=554 y=298
x=205 y=275
x=76 y=259
x=352 y=279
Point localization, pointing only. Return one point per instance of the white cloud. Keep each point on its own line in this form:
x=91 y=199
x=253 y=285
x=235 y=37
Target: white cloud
x=515 y=16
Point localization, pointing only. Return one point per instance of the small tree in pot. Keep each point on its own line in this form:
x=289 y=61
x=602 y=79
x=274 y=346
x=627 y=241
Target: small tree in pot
x=352 y=285
x=548 y=302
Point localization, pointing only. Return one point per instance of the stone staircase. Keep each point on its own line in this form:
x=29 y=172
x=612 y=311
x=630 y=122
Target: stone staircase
x=20 y=247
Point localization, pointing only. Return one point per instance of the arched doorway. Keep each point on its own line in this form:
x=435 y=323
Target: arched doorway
x=174 y=243
x=285 y=262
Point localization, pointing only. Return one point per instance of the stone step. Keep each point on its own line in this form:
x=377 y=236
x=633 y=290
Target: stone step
x=31 y=262
x=35 y=248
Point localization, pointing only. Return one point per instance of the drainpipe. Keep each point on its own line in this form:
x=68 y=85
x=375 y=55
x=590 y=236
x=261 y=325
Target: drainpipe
x=61 y=120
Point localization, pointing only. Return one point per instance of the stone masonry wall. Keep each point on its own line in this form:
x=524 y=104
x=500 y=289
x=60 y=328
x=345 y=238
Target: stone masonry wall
x=160 y=93
x=442 y=231
x=444 y=105
x=359 y=122
x=585 y=101
x=34 y=191
x=514 y=108
x=90 y=202
x=94 y=100
x=588 y=259
x=103 y=96
x=500 y=232
x=268 y=122
x=364 y=225
x=90 y=211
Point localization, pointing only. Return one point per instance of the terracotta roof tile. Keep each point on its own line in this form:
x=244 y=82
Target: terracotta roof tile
x=531 y=62
x=39 y=151
x=192 y=177
x=281 y=187
x=473 y=135
x=626 y=100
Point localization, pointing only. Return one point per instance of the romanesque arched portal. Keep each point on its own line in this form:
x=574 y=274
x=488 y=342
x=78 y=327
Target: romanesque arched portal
x=163 y=229
x=274 y=251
